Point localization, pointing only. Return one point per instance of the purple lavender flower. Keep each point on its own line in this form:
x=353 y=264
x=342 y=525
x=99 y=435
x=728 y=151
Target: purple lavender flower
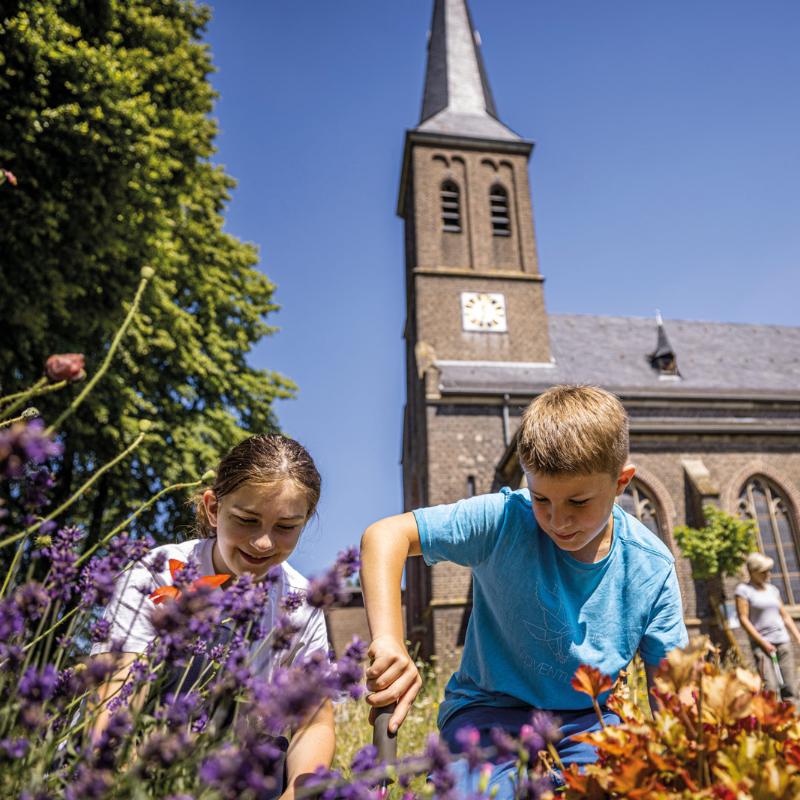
x=38 y=483
x=187 y=575
x=244 y=600
x=13 y=749
x=440 y=774
x=348 y=562
x=178 y=624
x=178 y=710
x=546 y=726
x=161 y=751
x=326 y=590
x=63 y=554
x=96 y=585
x=199 y=725
x=32 y=600
x=111 y=741
x=24 y=443
x=356 y=650
x=282 y=635
x=469 y=739
x=158 y=562
x=506 y=746
x=37 y=687
x=100 y=631
x=12 y=622
x=531 y=741
x=253 y=768
x=365 y=759
x=291 y=601
x=89 y=784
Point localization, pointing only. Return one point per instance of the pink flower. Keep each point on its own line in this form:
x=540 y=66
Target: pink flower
x=65 y=367
x=10 y=177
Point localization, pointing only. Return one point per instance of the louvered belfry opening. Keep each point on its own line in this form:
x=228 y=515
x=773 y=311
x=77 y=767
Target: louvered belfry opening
x=498 y=201
x=451 y=207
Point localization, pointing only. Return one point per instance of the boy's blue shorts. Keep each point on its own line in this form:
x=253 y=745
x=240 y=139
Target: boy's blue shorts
x=484 y=718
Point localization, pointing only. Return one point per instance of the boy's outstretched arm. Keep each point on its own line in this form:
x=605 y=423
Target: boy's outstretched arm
x=392 y=676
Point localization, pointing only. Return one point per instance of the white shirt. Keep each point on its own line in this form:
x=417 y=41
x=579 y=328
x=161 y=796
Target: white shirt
x=130 y=608
x=765 y=611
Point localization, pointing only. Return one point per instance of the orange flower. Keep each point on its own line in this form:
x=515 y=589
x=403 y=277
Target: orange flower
x=591 y=681
x=163 y=593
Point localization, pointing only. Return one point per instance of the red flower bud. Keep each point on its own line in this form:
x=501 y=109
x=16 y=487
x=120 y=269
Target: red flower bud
x=10 y=177
x=65 y=367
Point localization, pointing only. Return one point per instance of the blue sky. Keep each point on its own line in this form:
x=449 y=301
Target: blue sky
x=666 y=174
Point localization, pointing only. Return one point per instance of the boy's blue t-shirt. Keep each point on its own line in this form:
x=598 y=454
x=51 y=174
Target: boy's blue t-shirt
x=538 y=613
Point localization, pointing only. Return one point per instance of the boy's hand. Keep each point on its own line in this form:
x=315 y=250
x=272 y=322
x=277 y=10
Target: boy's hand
x=392 y=677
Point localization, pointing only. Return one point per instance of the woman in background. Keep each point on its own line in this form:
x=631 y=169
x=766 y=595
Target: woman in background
x=768 y=624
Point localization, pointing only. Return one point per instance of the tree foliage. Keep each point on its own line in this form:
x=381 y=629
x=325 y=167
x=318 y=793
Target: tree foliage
x=719 y=548
x=105 y=122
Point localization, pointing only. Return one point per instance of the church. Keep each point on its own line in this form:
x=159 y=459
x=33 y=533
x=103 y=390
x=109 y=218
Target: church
x=714 y=407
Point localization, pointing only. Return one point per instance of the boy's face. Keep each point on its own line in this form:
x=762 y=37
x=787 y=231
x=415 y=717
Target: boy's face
x=574 y=510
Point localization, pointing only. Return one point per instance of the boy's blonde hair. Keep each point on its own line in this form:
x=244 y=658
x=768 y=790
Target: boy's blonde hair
x=574 y=429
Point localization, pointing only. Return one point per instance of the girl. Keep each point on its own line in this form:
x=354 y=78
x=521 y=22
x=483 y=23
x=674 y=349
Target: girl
x=762 y=614
x=249 y=521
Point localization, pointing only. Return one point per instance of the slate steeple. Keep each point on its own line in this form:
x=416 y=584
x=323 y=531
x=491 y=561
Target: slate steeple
x=457 y=98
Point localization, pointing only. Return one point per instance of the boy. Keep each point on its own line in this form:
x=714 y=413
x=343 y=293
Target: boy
x=561 y=577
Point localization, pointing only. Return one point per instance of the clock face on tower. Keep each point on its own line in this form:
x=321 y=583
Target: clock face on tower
x=481 y=311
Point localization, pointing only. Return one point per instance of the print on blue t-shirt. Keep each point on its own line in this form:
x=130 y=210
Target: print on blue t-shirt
x=538 y=613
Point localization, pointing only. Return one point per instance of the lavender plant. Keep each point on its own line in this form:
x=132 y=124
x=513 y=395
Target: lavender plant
x=191 y=719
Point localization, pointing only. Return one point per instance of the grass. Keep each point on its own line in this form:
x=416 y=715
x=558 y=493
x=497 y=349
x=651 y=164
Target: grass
x=353 y=730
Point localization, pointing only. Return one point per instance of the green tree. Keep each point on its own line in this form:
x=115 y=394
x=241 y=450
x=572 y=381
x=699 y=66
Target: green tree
x=105 y=121
x=717 y=551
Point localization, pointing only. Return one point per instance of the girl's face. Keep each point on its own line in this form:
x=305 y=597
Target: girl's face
x=258 y=526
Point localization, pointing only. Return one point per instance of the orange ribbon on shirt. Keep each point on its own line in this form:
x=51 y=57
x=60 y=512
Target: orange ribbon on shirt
x=163 y=593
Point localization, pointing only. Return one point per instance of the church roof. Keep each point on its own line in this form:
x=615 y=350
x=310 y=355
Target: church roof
x=457 y=100
x=717 y=358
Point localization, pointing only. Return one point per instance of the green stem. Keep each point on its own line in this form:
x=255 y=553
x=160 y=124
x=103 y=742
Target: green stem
x=12 y=570
x=52 y=628
x=70 y=409
x=67 y=503
x=20 y=398
x=154 y=499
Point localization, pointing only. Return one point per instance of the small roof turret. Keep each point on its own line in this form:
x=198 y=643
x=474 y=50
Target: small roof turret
x=663 y=358
x=457 y=99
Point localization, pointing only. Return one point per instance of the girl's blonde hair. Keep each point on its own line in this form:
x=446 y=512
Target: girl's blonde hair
x=266 y=458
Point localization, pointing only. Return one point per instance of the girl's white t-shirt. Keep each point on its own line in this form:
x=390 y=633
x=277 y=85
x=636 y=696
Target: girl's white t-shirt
x=765 y=611
x=130 y=607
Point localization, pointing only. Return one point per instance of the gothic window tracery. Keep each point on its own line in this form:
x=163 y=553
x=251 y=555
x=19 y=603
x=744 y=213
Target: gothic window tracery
x=498 y=206
x=763 y=502
x=641 y=503
x=451 y=207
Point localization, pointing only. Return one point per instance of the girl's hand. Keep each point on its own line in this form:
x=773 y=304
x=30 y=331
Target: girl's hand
x=392 y=677
x=768 y=647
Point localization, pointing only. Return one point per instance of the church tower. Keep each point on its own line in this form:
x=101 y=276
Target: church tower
x=475 y=306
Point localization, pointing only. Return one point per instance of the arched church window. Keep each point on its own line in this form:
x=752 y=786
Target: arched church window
x=498 y=203
x=640 y=503
x=451 y=207
x=761 y=501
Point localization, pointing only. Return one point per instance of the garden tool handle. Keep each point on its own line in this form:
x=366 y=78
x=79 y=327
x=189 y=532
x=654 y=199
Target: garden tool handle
x=385 y=742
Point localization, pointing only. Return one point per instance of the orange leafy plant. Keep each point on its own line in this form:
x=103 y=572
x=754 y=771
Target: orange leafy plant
x=591 y=681
x=718 y=735
x=163 y=593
